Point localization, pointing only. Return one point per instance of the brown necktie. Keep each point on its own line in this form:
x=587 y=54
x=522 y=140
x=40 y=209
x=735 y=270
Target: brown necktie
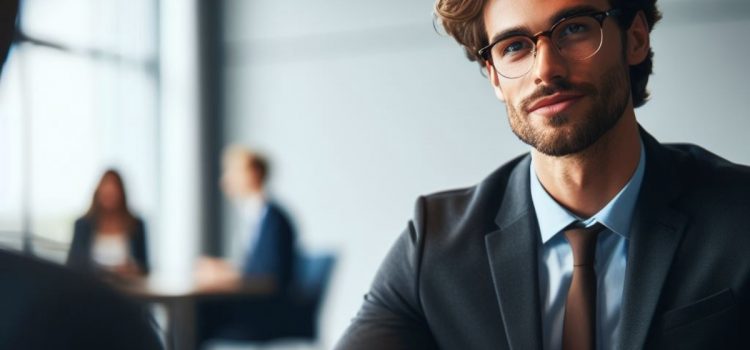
x=580 y=308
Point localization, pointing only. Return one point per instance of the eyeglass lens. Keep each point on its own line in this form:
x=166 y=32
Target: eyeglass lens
x=576 y=38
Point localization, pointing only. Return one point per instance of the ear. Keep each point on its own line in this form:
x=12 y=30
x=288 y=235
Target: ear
x=494 y=79
x=638 y=44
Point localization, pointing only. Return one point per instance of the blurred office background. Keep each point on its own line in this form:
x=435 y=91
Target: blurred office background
x=360 y=105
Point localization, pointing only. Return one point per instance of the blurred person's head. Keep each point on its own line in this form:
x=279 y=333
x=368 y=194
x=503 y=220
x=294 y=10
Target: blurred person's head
x=244 y=172
x=109 y=197
x=464 y=20
x=8 y=11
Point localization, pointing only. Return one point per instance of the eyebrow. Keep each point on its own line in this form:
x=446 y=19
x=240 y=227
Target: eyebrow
x=564 y=13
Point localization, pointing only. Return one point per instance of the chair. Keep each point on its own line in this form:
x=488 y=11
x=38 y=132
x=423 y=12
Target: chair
x=297 y=316
x=313 y=277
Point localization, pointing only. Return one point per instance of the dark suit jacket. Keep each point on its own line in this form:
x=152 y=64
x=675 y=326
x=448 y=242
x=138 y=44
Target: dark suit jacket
x=79 y=256
x=257 y=318
x=464 y=273
x=44 y=306
x=273 y=254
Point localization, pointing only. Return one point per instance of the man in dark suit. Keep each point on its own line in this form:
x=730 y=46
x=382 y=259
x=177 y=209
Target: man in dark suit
x=601 y=237
x=263 y=244
x=263 y=247
x=43 y=306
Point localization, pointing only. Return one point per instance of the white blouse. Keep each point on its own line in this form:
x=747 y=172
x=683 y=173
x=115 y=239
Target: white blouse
x=110 y=249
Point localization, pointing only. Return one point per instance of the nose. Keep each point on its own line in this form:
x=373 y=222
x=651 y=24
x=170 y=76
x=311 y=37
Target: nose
x=549 y=65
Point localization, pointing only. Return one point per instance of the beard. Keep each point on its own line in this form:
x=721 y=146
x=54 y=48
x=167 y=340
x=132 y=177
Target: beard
x=565 y=135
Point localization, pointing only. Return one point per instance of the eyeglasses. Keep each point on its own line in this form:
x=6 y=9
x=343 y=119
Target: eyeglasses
x=577 y=38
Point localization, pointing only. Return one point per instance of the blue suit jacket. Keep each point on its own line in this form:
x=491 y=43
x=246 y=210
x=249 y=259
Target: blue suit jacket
x=273 y=254
x=257 y=318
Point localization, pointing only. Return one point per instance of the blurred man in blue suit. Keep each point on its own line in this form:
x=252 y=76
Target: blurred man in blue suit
x=43 y=306
x=262 y=247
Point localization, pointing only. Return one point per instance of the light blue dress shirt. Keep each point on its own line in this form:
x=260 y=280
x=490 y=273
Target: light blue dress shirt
x=556 y=259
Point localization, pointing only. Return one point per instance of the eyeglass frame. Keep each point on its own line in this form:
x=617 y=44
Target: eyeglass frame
x=486 y=52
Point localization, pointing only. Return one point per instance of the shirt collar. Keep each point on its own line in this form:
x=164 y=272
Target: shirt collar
x=616 y=215
x=251 y=206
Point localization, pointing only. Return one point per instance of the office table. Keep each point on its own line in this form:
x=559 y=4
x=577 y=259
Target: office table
x=180 y=304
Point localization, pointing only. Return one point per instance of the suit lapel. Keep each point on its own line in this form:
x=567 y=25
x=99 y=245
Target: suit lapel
x=512 y=251
x=657 y=231
x=656 y=234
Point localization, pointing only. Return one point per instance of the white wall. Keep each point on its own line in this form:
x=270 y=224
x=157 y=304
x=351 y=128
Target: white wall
x=363 y=107
x=700 y=88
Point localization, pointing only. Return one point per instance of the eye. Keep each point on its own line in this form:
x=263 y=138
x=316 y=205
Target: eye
x=574 y=28
x=514 y=47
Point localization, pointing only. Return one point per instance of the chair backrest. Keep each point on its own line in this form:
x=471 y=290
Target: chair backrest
x=312 y=276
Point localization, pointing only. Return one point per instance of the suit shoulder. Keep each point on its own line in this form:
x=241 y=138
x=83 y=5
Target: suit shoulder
x=477 y=204
x=713 y=188
x=276 y=211
x=139 y=226
x=278 y=217
x=699 y=156
x=492 y=185
x=705 y=169
x=83 y=221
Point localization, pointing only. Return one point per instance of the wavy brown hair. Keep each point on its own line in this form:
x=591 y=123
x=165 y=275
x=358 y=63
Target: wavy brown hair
x=95 y=210
x=463 y=20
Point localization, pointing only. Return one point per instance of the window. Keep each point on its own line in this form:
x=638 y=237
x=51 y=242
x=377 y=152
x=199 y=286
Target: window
x=78 y=95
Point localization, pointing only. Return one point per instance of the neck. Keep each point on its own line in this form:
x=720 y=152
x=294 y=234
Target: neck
x=258 y=195
x=250 y=197
x=586 y=181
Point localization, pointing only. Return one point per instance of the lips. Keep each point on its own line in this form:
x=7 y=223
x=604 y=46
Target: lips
x=553 y=104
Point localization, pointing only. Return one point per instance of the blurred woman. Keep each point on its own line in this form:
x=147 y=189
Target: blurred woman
x=109 y=237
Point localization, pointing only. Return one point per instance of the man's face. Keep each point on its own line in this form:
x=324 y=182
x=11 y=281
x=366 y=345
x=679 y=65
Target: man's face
x=560 y=106
x=238 y=179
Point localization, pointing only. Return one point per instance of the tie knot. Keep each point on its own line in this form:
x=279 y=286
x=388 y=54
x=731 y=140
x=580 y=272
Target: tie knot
x=583 y=243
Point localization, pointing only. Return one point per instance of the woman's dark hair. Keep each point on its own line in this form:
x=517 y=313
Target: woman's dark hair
x=95 y=209
x=463 y=20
